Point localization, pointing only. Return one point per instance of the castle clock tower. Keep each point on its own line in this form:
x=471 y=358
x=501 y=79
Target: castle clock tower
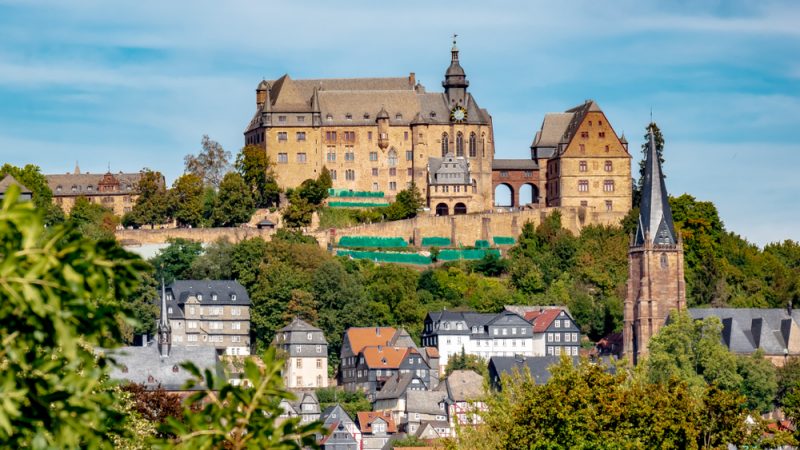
x=656 y=283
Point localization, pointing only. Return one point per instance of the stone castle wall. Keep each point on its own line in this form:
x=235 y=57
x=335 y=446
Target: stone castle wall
x=205 y=235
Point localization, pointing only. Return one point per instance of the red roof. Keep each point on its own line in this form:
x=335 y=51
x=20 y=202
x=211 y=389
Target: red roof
x=542 y=319
x=366 y=418
x=362 y=337
x=380 y=357
x=432 y=352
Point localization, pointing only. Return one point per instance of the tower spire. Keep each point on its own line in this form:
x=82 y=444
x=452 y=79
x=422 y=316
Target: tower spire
x=164 y=328
x=655 y=215
x=455 y=79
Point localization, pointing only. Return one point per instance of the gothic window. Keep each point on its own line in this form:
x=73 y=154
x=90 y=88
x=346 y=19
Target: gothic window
x=392 y=158
x=445 y=138
x=473 y=145
x=483 y=145
x=459 y=144
x=664 y=261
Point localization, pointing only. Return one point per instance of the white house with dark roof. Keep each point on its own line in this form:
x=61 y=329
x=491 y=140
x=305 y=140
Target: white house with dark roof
x=306 y=355
x=210 y=313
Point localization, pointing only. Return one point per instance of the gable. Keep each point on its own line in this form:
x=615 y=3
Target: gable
x=597 y=136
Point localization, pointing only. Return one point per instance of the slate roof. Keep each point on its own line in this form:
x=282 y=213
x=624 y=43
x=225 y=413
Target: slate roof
x=538 y=365
x=425 y=402
x=746 y=330
x=398 y=385
x=655 y=215
x=462 y=386
x=87 y=183
x=514 y=164
x=553 y=127
x=448 y=170
x=9 y=180
x=367 y=418
x=297 y=333
x=139 y=364
x=182 y=289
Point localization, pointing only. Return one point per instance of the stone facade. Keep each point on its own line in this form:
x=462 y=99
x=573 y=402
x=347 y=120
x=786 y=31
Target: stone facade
x=116 y=191
x=590 y=165
x=656 y=283
x=376 y=134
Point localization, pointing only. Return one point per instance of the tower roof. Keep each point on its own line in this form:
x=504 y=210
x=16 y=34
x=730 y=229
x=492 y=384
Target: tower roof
x=655 y=216
x=163 y=321
x=455 y=75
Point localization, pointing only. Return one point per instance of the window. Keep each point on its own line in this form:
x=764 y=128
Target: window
x=473 y=145
x=514 y=331
x=583 y=185
x=330 y=137
x=282 y=136
x=601 y=134
x=299 y=363
x=319 y=349
x=608 y=166
x=350 y=174
x=331 y=155
x=582 y=166
x=503 y=174
x=373 y=156
x=301 y=158
x=236 y=339
x=528 y=173
x=301 y=119
x=410 y=172
x=298 y=348
x=608 y=186
x=398 y=116
x=575 y=337
x=348 y=116
x=583 y=149
x=557 y=337
x=369 y=133
x=405 y=135
x=333 y=174
x=459 y=144
x=191 y=324
x=392 y=158
x=549 y=337
x=191 y=338
x=584 y=203
x=664 y=260
x=393 y=172
x=283 y=158
x=191 y=310
x=301 y=136
x=409 y=155
x=609 y=206
x=392 y=185
x=200 y=299
x=348 y=153
x=282 y=119
x=585 y=134
x=319 y=363
x=505 y=331
x=445 y=143
x=299 y=381
x=374 y=171
x=233 y=297
x=235 y=311
x=557 y=324
x=349 y=136
x=375 y=187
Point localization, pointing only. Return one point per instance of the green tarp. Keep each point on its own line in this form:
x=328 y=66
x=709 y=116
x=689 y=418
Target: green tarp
x=349 y=193
x=454 y=255
x=434 y=241
x=390 y=257
x=481 y=243
x=372 y=241
x=503 y=240
x=356 y=205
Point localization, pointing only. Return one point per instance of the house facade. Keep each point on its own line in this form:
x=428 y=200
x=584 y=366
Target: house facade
x=210 y=313
x=305 y=406
x=342 y=431
x=306 y=352
x=116 y=191
x=555 y=332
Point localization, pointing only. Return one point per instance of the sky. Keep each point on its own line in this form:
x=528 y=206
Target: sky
x=129 y=85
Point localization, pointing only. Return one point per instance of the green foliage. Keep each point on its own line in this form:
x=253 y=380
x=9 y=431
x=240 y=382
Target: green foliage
x=234 y=204
x=293 y=236
x=143 y=308
x=463 y=361
x=406 y=204
x=243 y=416
x=153 y=205
x=491 y=265
x=256 y=169
x=214 y=263
x=174 y=262
x=298 y=213
x=186 y=200
x=58 y=304
x=92 y=220
x=31 y=176
x=409 y=441
x=351 y=402
x=313 y=191
x=211 y=164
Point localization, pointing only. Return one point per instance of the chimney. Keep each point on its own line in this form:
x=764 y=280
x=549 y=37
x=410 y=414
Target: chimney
x=412 y=79
x=377 y=331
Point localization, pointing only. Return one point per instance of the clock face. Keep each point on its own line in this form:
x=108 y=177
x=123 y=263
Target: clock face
x=458 y=114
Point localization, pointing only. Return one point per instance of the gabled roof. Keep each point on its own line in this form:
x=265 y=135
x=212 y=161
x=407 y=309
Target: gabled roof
x=400 y=383
x=542 y=320
x=9 y=180
x=655 y=215
x=462 y=386
x=537 y=365
x=146 y=365
x=367 y=418
x=380 y=357
x=181 y=290
x=88 y=183
x=335 y=414
x=514 y=164
x=299 y=325
x=425 y=402
x=553 y=128
x=746 y=330
x=372 y=336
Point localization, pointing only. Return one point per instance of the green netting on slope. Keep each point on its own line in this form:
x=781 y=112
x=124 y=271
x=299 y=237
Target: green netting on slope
x=454 y=255
x=349 y=193
x=356 y=205
x=391 y=257
x=434 y=241
x=372 y=241
x=482 y=243
x=503 y=240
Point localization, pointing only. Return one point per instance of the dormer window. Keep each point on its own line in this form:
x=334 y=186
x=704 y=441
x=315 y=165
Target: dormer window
x=366 y=115
x=124 y=369
x=150 y=379
x=328 y=117
x=58 y=188
x=433 y=113
x=90 y=188
x=309 y=336
x=74 y=188
x=199 y=297
x=214 y=297
x=169 y=310
x=175 y=369
x=348 y=116
x=398 y=116
x=233 y=297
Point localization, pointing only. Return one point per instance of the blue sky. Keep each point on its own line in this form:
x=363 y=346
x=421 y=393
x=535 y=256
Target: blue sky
x=137 y=84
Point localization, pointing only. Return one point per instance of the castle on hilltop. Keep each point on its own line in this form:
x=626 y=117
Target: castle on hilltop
x=377 y=136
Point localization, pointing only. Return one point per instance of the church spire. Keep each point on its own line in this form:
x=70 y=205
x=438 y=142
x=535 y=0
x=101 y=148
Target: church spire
x=164 y=328
x=655 y=216
x=455 y=79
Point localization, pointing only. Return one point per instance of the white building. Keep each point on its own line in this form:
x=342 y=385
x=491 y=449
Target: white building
x=306 y=355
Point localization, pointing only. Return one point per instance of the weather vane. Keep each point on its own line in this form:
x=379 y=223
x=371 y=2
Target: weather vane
x=454 y=38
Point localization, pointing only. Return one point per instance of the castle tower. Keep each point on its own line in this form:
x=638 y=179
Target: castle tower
x=164 y=328
x=656 y=283
x=455 y=80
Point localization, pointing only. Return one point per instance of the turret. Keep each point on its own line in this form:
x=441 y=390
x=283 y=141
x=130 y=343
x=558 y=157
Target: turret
x=455 y=80
x=383 y=128
x=655 y=215
x=261 y=93
x=164 y=328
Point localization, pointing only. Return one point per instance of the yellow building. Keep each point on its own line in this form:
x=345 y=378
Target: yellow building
x=380 y=135
x=588 y=164
x=114 y=191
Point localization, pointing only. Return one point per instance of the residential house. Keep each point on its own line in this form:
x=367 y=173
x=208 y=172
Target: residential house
x=210 y=313
x=116 y=191
x=464 y=389
x=537 y=366
x=25 y=194
x=425 y=406
x=377 y=428
x=376 y=365
x=305 y=406
x=392 y=397
x=484 y=335
x=306 y=355
x=343 y=433
x=554 y=332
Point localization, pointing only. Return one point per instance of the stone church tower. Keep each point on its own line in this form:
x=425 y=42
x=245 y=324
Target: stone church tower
x=656 y=283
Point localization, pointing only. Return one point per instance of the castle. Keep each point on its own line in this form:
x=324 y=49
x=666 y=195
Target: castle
x=377 y=136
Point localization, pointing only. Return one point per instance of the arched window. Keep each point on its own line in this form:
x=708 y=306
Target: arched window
x=445 y=138
x=459 y=144
x=473 y=145
x=664 y=261
x=392 y=158
x=442 y=210
x=460 y=208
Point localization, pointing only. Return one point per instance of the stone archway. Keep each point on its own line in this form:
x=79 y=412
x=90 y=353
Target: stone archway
x=442 y=209
x=504 y=195
x=459 y=209
x=528 y=193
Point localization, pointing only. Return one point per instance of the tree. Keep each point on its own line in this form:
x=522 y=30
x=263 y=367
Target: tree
x=256 y=169
x=463 y=361
x=174 y=262
x=92 y=220
x=33 y=179
x=234 y=205
x=215 y=262
x=58 y=305
x=152 y=205
x=241 y=416
x=313 y=191
x=658 y=138
x=490 y=265
x=186 y=200
x=406 y=204
x=211 y=164
x=154 y=405
x=351 y=402
x=759 y=382
x=298 y=213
